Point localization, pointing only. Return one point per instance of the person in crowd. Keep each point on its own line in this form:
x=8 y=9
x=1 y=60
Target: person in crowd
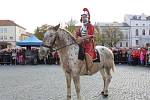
x=56 y=57
x=142 y=57
x=13 y=57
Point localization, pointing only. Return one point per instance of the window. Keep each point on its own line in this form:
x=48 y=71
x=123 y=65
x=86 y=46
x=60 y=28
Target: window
x=5 y=30
x=134 y=17
x=126 y=44
x=1 y=37
x=143 y=24
x=11 y=38
x=136 y=24
x=143 y=31
x=139 y=17
x=5 y=37
x=136 y=32
x=137 y=42
x=120 y=44
x=149 y=32
x=1 y=30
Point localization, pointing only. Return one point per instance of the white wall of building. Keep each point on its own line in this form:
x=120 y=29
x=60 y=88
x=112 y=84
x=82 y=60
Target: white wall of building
x=131 y=38
x=7 y=33
x=140 y=23
x=10 y=34
x=19 y=31
x=125 y=42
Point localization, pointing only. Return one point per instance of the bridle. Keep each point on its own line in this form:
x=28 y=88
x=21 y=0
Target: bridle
x=51 y=47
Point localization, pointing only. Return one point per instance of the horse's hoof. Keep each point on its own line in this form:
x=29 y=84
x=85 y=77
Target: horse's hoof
x=68 y=97
x=102 y=93
x=105 y=95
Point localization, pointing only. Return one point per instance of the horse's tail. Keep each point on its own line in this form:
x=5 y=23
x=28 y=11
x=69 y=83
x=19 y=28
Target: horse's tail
x=113 y=67
x=113 y=63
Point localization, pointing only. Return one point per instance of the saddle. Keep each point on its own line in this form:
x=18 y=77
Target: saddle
x=97 y=56
x=82 y=56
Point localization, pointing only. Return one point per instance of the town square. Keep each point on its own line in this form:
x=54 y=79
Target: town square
x=44 y=82
x=74 y=50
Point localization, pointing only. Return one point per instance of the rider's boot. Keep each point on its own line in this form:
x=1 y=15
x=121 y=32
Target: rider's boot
x=89 y=62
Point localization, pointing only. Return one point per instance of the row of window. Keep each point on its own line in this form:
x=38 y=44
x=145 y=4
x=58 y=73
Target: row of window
x=136 y=42
x=143 y=32
x=143 y=24
x=5 y=38
x=3 y=30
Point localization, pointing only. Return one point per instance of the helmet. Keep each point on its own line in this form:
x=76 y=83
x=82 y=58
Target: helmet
x=85 y=14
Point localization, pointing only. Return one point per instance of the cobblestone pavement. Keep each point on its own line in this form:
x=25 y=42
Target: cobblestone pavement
x=47 y=82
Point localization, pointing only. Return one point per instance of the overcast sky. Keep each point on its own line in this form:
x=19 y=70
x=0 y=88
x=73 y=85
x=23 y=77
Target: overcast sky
x=33 y=13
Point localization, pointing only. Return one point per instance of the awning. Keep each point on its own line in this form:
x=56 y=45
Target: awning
x=31 y=41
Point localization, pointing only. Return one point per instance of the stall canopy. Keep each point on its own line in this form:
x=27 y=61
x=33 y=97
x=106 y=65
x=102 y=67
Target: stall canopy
x=30 y=41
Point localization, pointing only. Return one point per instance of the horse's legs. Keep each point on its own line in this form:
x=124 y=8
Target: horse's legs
x=104 y=79
x=68 y=80
x=76 y=79
x=108 y=79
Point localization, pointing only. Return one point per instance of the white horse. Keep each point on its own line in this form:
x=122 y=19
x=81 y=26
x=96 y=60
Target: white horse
x=68 y=51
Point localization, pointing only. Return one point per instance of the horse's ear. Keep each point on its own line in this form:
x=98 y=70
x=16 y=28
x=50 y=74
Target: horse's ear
x=56 y=27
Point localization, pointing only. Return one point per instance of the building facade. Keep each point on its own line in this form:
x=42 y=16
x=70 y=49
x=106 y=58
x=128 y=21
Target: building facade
x=10 y=32
x=123 y=27
x=135 y=29
x=25 y=36
x=139 y=29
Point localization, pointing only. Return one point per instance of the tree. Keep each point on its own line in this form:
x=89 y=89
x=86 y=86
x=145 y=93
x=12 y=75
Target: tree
x=71 y=25
x=111 y=36
x=39 y=32
x=98 y=34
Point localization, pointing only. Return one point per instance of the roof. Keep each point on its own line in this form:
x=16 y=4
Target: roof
x=9 y=23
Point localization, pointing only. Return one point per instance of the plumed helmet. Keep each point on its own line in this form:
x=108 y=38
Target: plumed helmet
x=86 y=14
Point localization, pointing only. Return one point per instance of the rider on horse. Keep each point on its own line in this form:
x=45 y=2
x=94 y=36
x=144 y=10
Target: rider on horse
x=85 y=37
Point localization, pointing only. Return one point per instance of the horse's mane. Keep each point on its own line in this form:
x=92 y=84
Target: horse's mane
x=70 y=34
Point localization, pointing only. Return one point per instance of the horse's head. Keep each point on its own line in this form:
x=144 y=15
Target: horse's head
x=50 y=36
x=48 y=41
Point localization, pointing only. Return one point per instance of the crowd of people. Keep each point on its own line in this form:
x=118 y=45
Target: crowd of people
x=136 y=56
x=24 y=56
